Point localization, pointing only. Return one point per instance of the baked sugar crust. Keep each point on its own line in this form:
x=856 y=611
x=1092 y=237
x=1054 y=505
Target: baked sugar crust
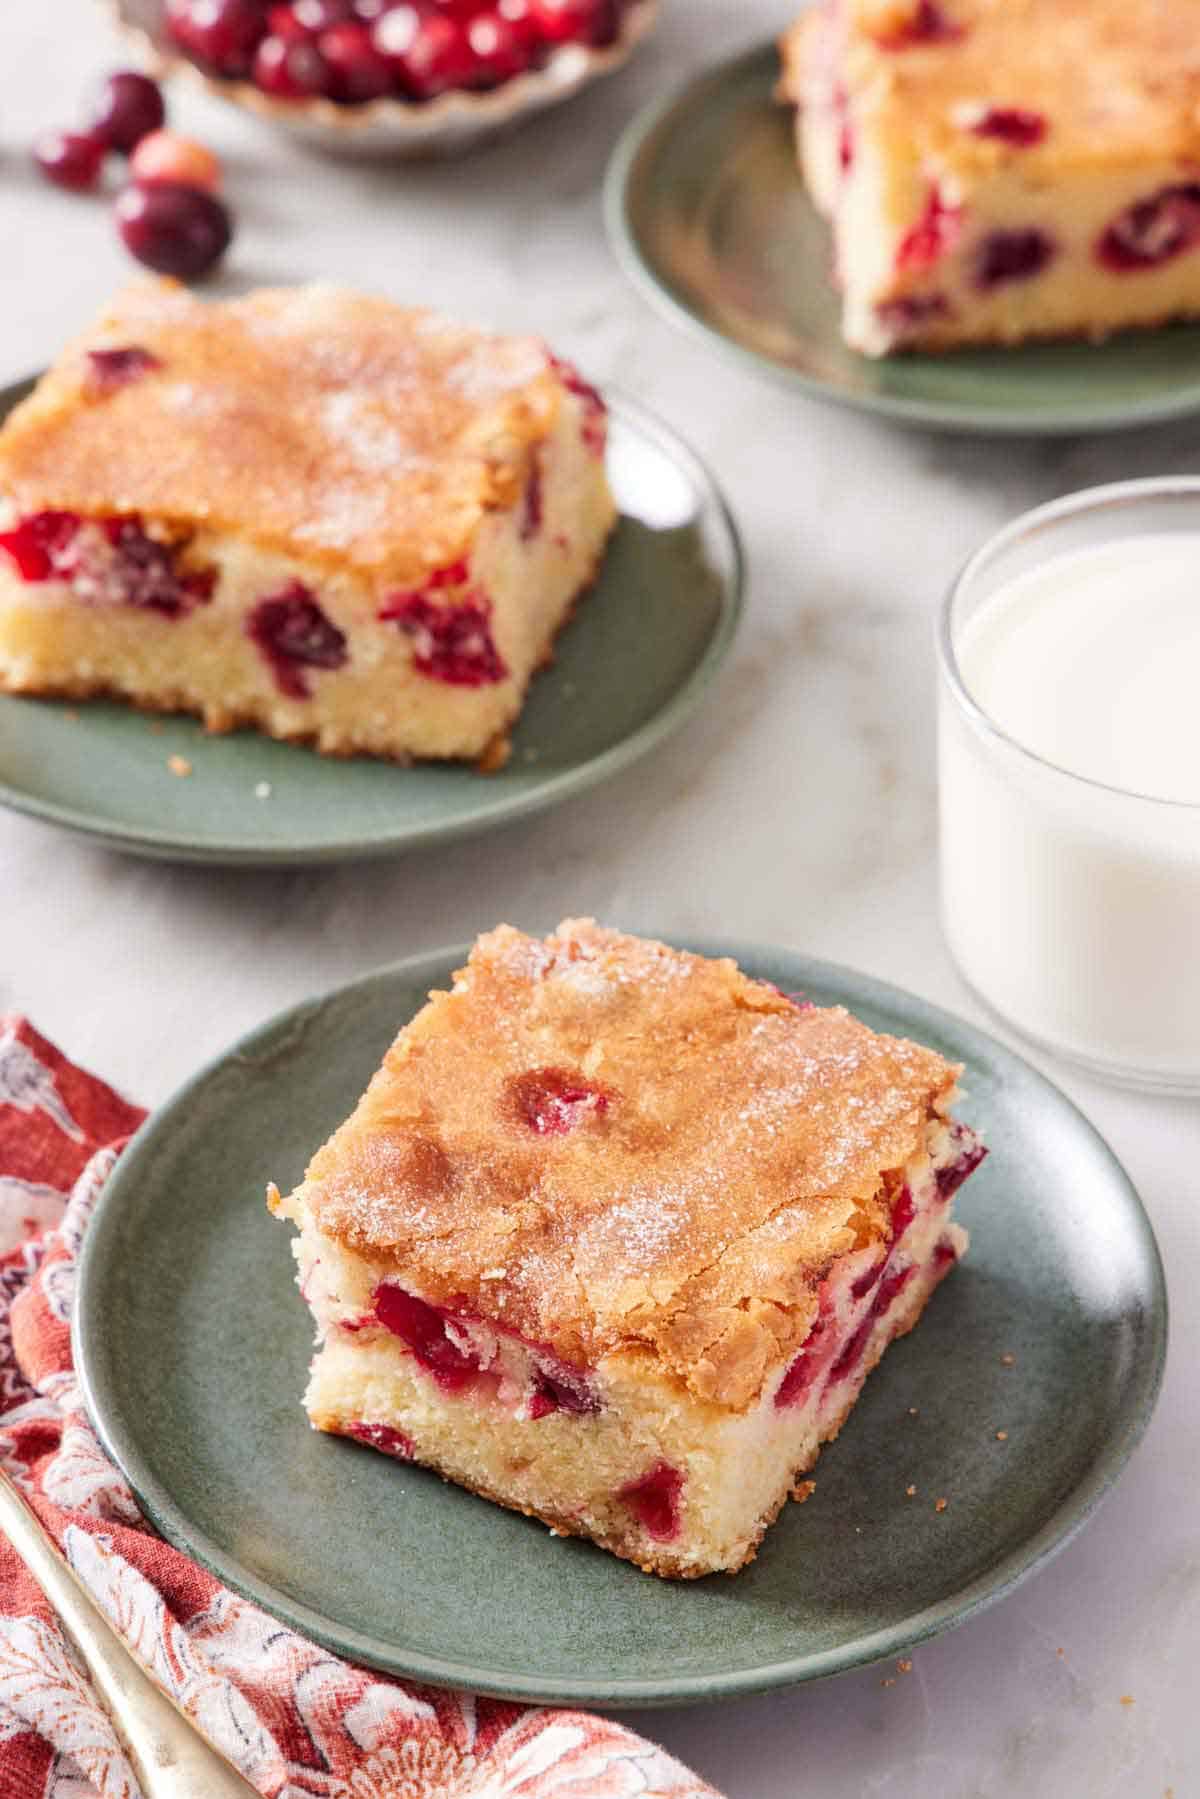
x=729 y=1145
x=398 y=431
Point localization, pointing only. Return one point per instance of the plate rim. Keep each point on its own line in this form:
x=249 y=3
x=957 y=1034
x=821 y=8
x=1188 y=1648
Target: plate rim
x=681 y=705
x=639 y=269
x=1126 y=1427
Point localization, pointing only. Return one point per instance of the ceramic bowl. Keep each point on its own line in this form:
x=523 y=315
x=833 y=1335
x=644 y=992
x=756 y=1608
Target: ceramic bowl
x=390 y=127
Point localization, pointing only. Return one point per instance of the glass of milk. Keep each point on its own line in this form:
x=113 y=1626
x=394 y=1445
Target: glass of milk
x=1069 y=773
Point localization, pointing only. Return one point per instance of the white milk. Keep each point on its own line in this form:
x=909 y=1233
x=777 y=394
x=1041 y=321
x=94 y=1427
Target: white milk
x=1073 y=905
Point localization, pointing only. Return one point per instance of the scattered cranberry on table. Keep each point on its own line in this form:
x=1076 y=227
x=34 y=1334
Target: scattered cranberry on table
x=352 y=51
x=165 y=156
x=168 y=216
x=172 y=228
x=70 y=159
x=125 y=109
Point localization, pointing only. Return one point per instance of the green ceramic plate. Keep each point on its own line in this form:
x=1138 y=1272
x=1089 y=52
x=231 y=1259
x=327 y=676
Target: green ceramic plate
x=192 y=1346
x=708 y=214
x=631 y=666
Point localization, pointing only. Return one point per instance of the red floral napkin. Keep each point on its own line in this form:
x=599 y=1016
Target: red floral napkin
x=294 y=1719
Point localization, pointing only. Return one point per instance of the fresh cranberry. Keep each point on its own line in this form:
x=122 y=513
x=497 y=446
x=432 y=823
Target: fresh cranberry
x=41 y=544
x=1007 y=256
x=909 y=312
x=1152 y=231
x=1016 y=125
x=429 y=52
x=316 y=16
x=290 y=71
x=71 y=159
x=928 y=24
x=282 y=22
x=144 y=572
x=357 y=71
x=904 y=1210
x=422 y=1328
x=220 y=33
x=451 y=643
x=165 y=156
x=933 y=234
x=595 y=412
x=294 y=635
x=654 y=1500
x=174 y=229
x=584 y=21
x=110 y=369
x=498 y=50
x=951 y=1178
x=518 y=16
x=551 y=1101
x=125 y=108
x=533 y=506
x=384 y=1437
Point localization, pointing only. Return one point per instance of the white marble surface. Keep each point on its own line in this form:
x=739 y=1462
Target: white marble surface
x=799 y=807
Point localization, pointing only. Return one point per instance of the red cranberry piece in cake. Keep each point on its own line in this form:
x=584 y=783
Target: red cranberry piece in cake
x=1153 y=230
x=423 y=1328
x=655 y=1501
x=42 y=545
x=173 y=229
x=451 y=642
x=904 y=1210
x=220 y=33
x=928 y=23
x=551 y=1101
x=125 y=108
x=384 y=1437
x=951 y=1178
x=1012 y=256
x=803 y=1369
x=945 y=1254
x=1016 y=125
x=144 y=572
x=867 y=1279
x=558 y=1387
x=934 y=233
x=295 y=635
x=910 y=312
x=595 y=421
x=110 y=369
x=533 y=506
x=889 y=1289
x=71 y=159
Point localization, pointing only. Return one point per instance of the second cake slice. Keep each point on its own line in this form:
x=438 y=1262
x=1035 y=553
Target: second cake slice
x=308 y=510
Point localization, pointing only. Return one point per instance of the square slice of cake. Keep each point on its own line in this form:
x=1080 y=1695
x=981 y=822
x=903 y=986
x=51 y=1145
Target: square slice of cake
x=1002 y=169
x=307 y=510
x=616 y=1234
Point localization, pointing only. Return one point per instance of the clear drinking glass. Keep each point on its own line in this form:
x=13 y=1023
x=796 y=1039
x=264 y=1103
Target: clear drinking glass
x=1072 y=908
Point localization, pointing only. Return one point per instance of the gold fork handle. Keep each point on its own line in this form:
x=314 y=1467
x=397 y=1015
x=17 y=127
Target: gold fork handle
x=169 y=1755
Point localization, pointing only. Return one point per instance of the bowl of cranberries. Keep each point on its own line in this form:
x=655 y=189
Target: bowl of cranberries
x=389 y=77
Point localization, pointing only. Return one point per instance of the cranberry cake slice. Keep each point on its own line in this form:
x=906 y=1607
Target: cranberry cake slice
x=1002 y=169
x=616 y=1234
x=307 y=510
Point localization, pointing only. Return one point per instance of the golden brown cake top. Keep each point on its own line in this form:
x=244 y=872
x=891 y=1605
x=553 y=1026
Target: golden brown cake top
x=609 y=1144
x=1113 y=80
x=311 y=420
